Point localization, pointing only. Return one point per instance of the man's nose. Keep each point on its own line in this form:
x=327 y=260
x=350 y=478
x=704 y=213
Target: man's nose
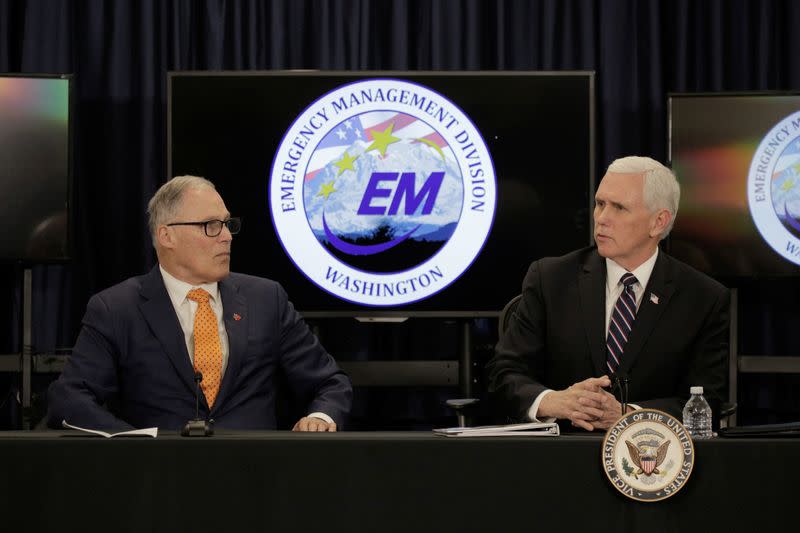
x=599 y=214
x=225 y=234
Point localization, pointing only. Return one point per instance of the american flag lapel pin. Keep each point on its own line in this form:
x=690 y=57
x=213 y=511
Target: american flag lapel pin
x=654 y=298
x=237 y=316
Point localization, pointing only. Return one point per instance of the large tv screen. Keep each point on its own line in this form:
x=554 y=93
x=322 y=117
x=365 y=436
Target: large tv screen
x=392 y=193
x=34 y=167
x=737 y=157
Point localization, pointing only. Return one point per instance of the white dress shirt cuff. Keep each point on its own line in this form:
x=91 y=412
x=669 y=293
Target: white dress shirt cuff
x=534 y=409
x=322 y=416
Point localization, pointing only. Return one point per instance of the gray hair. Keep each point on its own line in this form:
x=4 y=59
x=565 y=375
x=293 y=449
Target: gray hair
x=661 y=188
x=167 y=199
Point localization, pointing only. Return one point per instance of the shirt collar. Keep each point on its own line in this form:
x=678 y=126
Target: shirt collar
x=614 y=271
x=178 y=289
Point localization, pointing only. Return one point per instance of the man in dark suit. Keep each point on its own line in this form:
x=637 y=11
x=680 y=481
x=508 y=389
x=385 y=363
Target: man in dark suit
x=146 y=340
x=619 y=308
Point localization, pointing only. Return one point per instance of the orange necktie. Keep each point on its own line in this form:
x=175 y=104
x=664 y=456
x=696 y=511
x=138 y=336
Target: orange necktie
x=207 y=348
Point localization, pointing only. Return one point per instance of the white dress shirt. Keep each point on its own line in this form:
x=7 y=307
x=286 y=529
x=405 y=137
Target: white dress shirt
x=186 y=309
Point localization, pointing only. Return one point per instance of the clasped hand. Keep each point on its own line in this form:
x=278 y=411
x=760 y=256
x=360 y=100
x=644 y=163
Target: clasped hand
x=586 y=404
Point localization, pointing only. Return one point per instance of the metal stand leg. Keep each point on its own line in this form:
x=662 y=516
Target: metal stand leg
x=27 y=356
x=465 y=379
x=733 y=360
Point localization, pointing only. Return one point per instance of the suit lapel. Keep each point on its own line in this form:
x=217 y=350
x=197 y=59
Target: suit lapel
x=234 y=306
x=592 y=290
x=160 y=315
x=655 y=300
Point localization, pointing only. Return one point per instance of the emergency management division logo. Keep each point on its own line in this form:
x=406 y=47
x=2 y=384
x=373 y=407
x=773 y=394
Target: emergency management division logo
x=382 y=192
x=648 y=455
x=773 y=188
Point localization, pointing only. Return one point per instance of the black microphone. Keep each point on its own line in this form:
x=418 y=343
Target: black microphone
x=197 y=427
x=619 y=383
x=198 y=378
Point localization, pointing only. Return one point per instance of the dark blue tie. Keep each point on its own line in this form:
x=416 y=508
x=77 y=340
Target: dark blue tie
x=621 y=324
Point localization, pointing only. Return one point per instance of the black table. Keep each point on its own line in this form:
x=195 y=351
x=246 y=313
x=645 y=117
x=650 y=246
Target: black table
x=376 y=482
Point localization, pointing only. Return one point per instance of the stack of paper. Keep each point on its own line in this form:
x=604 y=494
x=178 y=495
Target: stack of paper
x=146 y=432
x=529 y=429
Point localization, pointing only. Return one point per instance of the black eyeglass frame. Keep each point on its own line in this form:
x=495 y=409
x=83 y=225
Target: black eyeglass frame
x=234 y=225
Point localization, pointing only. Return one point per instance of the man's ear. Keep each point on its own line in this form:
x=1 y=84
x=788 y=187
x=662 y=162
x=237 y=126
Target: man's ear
x=660 y=223
x=165 y=237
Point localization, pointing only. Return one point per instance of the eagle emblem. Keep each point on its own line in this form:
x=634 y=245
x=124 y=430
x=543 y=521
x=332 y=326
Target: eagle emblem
x=646 y=461
x=656 y=460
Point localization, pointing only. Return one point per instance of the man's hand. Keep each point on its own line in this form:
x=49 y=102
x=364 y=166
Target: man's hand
x=585 y=404
x=311 y=423
x=612 y=410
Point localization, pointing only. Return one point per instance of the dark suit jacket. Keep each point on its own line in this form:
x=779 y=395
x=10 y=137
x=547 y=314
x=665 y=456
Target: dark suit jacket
x=130 y=366
x=557 y=335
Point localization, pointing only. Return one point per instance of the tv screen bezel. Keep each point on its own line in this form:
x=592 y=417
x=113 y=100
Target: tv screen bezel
x=729 y=279
x=25 y=260
x=365 y=313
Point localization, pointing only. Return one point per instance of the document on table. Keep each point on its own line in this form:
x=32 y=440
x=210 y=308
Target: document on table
x=145 y=432
x=529 y=429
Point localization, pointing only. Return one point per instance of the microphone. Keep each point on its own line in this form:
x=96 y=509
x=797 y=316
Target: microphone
x=619 y=383
x=197 y=427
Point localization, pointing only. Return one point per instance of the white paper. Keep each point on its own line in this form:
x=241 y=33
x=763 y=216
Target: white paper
x=529 y=429
x=145 y=432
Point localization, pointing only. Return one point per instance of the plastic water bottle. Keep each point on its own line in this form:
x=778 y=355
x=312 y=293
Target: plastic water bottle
x=697 y=415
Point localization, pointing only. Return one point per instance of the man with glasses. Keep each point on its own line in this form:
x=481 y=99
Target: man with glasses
x=190 y=331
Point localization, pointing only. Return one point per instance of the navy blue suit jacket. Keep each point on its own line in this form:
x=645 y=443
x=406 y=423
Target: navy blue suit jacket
x=130 y=367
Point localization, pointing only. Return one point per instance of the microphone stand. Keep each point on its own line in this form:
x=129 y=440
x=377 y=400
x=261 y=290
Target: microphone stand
x=197 y=427
x=623 y=393
x=620 y=384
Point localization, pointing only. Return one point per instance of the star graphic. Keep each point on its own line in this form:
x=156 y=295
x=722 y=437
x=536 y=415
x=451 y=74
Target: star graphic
x=382 y=139
x=345 y=163
x=348 y=124
x=341 y=133
x=326 y=190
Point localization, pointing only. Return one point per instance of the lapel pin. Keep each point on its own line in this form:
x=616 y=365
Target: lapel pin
x=237 y=316
x=654 y=298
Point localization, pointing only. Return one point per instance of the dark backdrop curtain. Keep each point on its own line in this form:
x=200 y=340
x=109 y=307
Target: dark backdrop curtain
x=120 y=52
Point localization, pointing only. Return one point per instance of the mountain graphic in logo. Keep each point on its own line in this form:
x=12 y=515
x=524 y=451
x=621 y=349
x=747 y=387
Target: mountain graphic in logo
x=406 y=194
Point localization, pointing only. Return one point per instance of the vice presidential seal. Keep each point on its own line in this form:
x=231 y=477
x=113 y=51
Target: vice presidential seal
x=773 y=188
x=648 y=455
x=382 y=192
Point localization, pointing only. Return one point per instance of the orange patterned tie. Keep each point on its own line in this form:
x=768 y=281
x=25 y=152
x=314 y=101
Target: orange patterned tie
x=207 y=348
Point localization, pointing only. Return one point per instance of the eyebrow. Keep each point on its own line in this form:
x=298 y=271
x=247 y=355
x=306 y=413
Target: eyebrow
x=212 y=217
x=615 y=204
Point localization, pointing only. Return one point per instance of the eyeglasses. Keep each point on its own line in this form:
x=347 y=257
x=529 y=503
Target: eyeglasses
x=214 y=227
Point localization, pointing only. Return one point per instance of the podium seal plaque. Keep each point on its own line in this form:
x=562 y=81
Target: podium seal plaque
x=648 y=455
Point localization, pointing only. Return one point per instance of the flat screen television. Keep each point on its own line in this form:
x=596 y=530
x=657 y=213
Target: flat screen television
x=34 y=167
x=737 y=157
x=385 y=194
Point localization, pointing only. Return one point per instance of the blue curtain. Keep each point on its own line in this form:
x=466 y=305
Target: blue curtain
x=120 y=52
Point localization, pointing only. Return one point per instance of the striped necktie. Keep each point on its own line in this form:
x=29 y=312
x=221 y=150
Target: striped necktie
x=621 y=323
x=207 y=347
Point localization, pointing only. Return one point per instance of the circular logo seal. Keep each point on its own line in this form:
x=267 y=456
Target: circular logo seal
x=382 y=192
x=773 y=188
x=648 y=455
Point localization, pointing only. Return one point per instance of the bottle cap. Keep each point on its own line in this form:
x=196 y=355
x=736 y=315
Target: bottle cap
x=696 y=390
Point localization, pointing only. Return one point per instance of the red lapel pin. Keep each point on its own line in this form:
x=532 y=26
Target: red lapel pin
x=237 y=316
